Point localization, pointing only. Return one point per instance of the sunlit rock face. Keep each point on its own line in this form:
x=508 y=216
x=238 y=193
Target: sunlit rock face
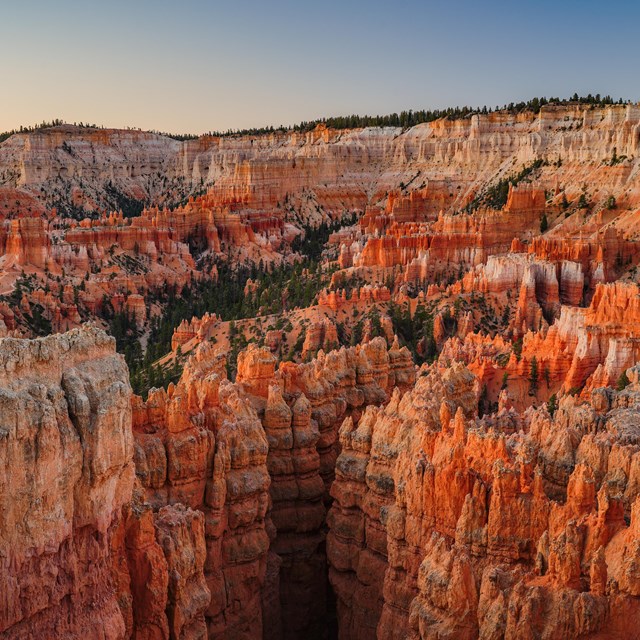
x=66 y=456
x=446 y=525
x=71 y=204
x=425 y=169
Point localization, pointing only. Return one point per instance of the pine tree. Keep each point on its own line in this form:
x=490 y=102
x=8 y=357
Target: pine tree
x=544 y=223
x=533 y=377
x=583 y=203
x=552 y=405
x=623 y=381
x=547 y=375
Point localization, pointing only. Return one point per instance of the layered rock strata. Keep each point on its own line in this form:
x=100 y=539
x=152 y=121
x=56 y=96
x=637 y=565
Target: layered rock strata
x=500 y=527
x=256 y=458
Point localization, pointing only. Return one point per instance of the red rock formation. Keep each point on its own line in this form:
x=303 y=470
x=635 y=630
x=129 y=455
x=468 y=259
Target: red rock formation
x=297 y=513
x=435 y=166
x=142 y=577
x=202 y=445
x=180 y=534
x=584 y=348
x=319 y=335
x=304 y=406
x=467 y=523
x=346 y=381
x=364 y=490
x=337 y=298
x=24 y=241
x=198 y=328
x=443 y=523
x=410 y=184
x=458 y=512
x=66 y=455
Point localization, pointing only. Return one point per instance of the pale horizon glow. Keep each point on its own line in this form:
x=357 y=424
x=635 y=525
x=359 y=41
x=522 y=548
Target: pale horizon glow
x=196 y=66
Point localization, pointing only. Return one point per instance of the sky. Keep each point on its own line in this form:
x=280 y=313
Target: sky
x=193 y=66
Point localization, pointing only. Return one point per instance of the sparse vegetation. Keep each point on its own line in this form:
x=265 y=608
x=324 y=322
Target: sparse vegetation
x=544 y=223
x=623 y=381
x=274 y=290
x=415 y=331
x=404 y=119
x=583 y=203
x=552 y=405
x=533 y=376
x=129 y=206
x=496 y=195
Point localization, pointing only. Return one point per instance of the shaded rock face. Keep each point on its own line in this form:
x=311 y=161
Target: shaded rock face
x=180 y=534
x=81 y=554
x=302 y=462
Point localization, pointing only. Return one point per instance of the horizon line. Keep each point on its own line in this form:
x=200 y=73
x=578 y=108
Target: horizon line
x=456 y=112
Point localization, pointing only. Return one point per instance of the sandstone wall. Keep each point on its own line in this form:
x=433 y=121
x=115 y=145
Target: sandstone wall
x=66 y=455
x=442 y=162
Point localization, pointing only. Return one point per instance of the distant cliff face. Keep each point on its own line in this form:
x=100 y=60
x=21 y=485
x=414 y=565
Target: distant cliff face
x=70 y=167
x=89 y=169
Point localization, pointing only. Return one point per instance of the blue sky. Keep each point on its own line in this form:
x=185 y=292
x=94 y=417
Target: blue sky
x=195 y=66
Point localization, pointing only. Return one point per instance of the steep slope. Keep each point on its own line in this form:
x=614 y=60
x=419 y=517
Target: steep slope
x=67 y=470
x=510 y=526
x=443 y=524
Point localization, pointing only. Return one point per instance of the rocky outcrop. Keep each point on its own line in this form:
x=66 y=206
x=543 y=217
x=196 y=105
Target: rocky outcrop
x=337 y=298
x=256 y=458
x=319 y=335
x=67 y=461
x=301 y=407
x=298 y=514
x=83 y=554
x=443 y=523
x=129 y=160
x=198 y=328
x=582 y=349
x=343 y=383
x=180 y=534
x=364 y=489
x=202 y=445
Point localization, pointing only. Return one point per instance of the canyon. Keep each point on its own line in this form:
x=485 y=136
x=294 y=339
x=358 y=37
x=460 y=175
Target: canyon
x=361 y=383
